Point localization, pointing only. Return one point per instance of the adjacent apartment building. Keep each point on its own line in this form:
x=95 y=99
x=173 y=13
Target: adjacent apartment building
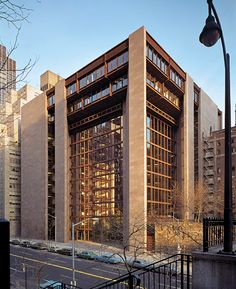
x=10 y=159
x=7 y=74
x=214 y=161
x=111 y=141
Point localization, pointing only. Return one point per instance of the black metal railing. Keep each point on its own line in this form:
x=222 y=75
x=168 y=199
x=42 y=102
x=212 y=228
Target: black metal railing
x=172 y=272
x=213 y=233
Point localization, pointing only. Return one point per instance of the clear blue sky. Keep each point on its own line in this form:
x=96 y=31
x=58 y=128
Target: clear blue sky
x=66 y=35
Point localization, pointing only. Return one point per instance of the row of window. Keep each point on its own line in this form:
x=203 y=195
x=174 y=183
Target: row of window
x=118 y=61
x=152 y=81
x=162 y=64
x=96 y=74
x=71 y=88
x=156 y=58
x=171 y=97
x=159 y=87
x=158 y=181
x=116 y=85
x=156 y=195
x=176 y=78
x=160 y=126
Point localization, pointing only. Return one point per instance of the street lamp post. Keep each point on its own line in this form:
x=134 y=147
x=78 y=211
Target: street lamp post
x=209 y=36
x=73 y=245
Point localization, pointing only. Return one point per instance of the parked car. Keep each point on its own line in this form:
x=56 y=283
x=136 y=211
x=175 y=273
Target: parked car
x=39 y=246
x=65 y=251
x=137 y=263
x=89 y=255
x=109 y=258
x=52 y=284
x=15 y=242
x=25 y=244
x=53 y=249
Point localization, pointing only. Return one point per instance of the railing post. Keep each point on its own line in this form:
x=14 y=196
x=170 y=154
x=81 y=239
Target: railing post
x=182 y=271
x=188 y=272
x=5 y=253
x=205 y=234
x=131 y=281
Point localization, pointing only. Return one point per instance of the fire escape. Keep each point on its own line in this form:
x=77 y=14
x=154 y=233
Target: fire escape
x=208 y=163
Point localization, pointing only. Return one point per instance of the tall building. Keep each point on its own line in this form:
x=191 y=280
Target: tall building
x=10 y=159
x=7 y=74
x=112 y=141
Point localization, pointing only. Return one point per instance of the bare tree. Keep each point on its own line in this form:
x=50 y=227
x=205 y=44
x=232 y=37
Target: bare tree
x=14 y=15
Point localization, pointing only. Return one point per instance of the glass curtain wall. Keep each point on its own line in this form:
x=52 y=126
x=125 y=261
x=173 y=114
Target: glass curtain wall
x=51 y=177
x=160 y=166
x=96 y=178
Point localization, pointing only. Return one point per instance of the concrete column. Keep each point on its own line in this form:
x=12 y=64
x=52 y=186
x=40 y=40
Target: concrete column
x=62 y=197
x=34 y=174
x=188 y=150
x=135 y=200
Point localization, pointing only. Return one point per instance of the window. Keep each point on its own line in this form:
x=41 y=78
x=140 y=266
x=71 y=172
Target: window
x=71 y=89
x=83 y=82
x=120 y=60
x=51 y=100
x=119 y=83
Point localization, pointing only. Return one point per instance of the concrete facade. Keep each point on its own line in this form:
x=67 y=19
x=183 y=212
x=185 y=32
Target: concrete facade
x=10 y=158
x=62 y=200
x=34 y=154
x=135 y=148
x=211 y=270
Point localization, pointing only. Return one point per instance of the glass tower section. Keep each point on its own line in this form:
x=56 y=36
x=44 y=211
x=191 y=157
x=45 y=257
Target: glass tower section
x=160 y=166
x=96 y=178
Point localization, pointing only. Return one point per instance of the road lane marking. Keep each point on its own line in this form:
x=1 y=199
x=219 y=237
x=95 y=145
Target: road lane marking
x=61 y=267
x=106 y=271
x=60 y=261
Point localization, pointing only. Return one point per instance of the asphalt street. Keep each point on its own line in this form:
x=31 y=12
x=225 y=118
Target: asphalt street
x=30 y=267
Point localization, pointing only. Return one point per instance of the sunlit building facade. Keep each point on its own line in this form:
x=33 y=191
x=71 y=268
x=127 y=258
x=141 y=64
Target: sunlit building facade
x=112 y=141
x=10 y=155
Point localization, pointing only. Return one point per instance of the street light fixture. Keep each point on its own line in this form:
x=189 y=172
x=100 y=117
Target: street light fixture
x=73 y=245
x=209 y=36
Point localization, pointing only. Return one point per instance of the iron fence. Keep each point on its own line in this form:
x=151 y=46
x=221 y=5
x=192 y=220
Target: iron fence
x=213 y=233
x=172 y=272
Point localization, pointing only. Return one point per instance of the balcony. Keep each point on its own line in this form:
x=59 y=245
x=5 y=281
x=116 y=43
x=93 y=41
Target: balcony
x=163 y=102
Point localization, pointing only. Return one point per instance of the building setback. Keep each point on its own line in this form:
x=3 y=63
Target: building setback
x=112 y=141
